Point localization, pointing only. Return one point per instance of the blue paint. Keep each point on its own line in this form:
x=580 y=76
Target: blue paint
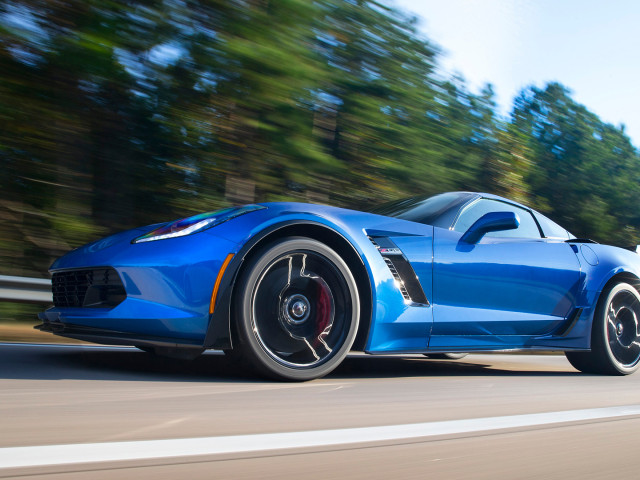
x=589 y=255
x=495 y=293
x=502 y=286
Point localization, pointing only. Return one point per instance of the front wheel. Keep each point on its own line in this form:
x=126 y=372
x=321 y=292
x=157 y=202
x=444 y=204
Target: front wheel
x=615 y=334
x=296 y=310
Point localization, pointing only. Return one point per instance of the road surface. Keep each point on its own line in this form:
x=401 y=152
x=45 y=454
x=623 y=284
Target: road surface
x=85 y=412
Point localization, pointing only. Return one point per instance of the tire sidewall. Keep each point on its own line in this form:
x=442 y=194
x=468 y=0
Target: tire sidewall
x=252 y=347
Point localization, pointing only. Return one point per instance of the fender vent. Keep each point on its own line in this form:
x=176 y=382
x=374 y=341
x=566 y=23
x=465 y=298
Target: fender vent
x=401 y=270
x=398 y=279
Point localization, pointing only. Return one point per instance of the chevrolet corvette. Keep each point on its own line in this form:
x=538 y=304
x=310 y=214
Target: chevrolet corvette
x=288 y=289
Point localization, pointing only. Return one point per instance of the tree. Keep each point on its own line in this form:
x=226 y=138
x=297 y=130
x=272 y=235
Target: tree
x=585 y=172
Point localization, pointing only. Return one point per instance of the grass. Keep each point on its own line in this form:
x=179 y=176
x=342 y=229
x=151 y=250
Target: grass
x=19 y=332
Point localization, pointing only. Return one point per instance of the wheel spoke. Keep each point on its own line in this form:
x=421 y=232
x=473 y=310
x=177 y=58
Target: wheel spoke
x=315 y=355
x=611 y=316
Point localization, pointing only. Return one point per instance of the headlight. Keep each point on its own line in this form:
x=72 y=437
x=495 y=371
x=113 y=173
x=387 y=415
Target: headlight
x=195 y=224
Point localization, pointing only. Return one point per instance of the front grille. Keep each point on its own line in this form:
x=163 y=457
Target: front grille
x=94 y=288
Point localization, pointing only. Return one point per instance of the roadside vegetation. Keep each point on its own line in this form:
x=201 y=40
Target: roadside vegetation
x=119 y=114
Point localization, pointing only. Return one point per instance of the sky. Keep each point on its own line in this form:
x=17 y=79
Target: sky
x=590 y=46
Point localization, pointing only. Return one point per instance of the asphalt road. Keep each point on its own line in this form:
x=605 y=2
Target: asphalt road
x=83 y=396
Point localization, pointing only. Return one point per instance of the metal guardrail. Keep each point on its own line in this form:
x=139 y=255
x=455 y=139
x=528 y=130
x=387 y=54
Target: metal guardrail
x=24 y=289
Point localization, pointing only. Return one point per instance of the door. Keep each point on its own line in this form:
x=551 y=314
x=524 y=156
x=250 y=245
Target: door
x=507 y=287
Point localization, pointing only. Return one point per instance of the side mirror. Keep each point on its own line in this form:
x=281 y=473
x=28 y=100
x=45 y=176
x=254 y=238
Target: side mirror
x=491 y=222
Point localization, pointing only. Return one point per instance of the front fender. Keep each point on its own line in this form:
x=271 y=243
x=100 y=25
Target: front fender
x=218 y=334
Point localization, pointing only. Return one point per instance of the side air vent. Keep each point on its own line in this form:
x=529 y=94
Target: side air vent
x=398 y=279
x=401 y=270
x=570 y=323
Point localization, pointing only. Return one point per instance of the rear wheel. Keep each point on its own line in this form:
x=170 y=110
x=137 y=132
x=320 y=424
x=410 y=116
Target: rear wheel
x=296 y=310
x=615 y=334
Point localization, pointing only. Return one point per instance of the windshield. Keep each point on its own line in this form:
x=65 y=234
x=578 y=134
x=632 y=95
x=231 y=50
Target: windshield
x=438 y=210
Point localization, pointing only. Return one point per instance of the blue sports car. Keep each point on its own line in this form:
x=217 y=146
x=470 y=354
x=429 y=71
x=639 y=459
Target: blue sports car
x=290 y=288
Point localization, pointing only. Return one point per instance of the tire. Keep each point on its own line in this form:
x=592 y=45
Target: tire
x=296 y=310
x=615 y=335
x=446 y=356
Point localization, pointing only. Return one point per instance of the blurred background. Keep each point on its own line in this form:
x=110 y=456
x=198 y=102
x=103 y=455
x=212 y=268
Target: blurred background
x=124 y=113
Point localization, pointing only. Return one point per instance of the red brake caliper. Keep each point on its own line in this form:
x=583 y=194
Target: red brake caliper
x=323 y=312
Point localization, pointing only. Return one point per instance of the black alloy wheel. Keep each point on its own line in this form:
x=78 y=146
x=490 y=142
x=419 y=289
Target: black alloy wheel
x=296 y=310
x=615 y=335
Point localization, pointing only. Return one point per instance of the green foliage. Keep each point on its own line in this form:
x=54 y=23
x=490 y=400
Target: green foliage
x=118 y=114
x=583 y=172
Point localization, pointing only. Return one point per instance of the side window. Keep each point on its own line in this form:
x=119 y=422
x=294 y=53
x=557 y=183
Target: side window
x=472 y=213
x=551 y=229
x=527 y=229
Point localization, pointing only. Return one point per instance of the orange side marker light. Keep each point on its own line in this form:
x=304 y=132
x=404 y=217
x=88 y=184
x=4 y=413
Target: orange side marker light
x=216 y=287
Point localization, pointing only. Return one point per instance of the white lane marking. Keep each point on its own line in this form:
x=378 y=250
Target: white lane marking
x=12 y=457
